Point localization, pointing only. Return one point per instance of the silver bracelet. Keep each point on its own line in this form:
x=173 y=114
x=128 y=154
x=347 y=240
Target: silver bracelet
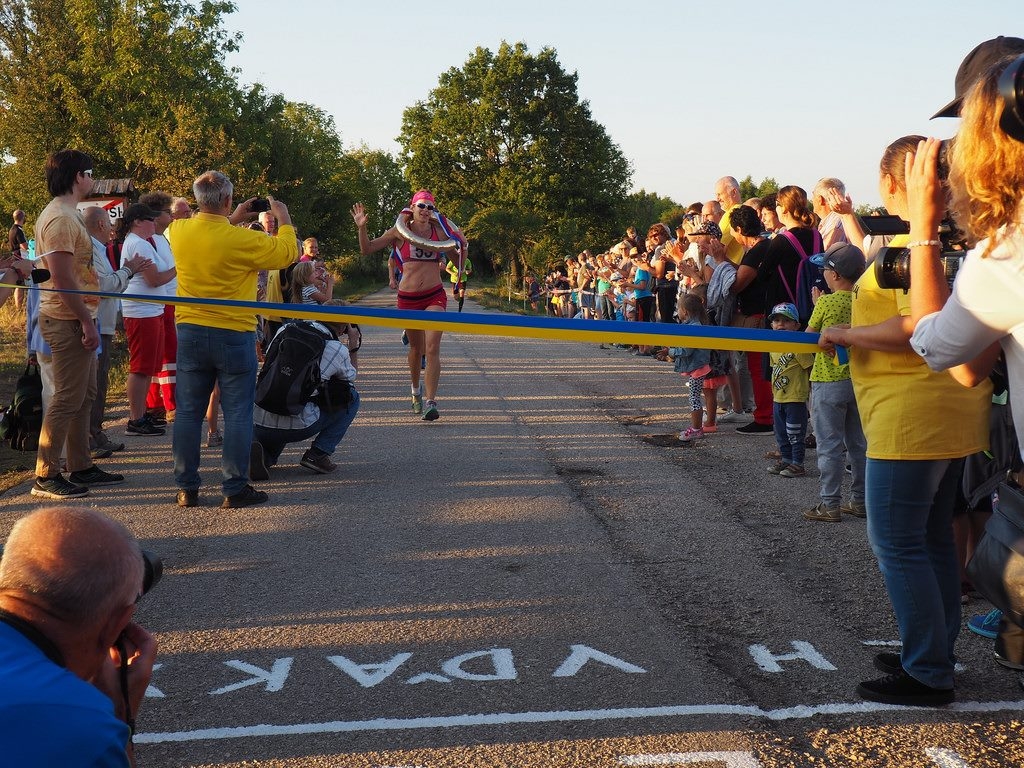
x=925 y=244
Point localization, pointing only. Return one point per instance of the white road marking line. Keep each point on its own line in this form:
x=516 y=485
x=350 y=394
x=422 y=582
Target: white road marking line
x=509 y=718
x=731 y=759
x=945 y=758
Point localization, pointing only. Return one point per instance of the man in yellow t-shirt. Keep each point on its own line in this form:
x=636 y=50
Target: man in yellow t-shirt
x=216 y=259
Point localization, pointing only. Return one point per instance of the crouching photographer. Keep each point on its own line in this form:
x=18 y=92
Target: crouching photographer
x=73 y=665
x=965 y=330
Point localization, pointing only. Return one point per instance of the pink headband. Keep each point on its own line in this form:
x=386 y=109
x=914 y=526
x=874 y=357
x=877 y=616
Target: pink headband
x=422 y=195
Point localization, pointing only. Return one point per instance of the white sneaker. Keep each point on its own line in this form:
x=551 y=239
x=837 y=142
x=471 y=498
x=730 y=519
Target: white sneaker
x=731 y=415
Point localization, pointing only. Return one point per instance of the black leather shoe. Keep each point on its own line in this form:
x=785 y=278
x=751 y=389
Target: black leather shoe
x=188 y=498
x=889 y=663
x=244 y=498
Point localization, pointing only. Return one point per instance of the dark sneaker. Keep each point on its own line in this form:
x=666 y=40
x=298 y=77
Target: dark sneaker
x=753 y=428
x=100 y=440
x=214 y=439
x=889 y=663
x=257 y=462
x=95 y=476
x=142 y=426
x=431 y=414
x=157 y=417
x=244 y=498
x=188 y=498
x=318 y=462
x=57 y=488
x=902 y=689
x=101 y=453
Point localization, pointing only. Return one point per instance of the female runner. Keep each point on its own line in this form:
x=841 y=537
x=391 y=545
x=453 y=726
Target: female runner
x=421 y=286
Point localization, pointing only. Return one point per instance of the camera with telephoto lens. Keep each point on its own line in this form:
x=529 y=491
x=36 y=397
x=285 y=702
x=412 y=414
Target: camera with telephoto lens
x=892 y=265
x=152 y=568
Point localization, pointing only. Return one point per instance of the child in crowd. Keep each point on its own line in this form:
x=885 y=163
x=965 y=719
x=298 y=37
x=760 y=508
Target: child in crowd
x=305 y=289
x=790 y=388
x=833 y=406
x=703 y=367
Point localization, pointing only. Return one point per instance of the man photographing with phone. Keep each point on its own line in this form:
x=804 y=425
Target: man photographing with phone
x=217 y=344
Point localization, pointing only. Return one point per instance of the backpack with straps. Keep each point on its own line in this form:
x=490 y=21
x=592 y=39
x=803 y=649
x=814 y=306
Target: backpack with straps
x=22 y=421
x=806 y=274
x=290 y=376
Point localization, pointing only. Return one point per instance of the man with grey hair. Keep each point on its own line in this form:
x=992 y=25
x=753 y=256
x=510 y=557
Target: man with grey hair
x=111 y=280
x=831 y=224
x=727 y=193
x=180 y=209
x=74 y=667
x=217 y=343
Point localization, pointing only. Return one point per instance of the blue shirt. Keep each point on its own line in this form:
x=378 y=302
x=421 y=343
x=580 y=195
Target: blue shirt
x=640 y=276
x=50 y=716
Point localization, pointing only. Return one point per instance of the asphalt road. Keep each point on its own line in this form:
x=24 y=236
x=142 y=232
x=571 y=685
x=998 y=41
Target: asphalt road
x=543 y=577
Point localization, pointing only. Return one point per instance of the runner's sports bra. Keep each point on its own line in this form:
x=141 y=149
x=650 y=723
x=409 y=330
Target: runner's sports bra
x=408 y=252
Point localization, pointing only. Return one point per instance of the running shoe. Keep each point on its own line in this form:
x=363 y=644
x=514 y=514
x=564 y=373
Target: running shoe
x=417 y=403
x=431 y=414
x=986 y=625
x=691 y=433
x=57 y=488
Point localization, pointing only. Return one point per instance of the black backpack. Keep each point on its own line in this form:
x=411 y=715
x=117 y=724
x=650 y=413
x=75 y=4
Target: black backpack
x=23 y=419
x=290 y=376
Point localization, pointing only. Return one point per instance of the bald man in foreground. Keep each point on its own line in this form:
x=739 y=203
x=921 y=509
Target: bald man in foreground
x=69 y=581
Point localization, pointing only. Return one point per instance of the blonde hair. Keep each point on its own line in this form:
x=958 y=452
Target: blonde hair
x=986 y=167
x=302 y=275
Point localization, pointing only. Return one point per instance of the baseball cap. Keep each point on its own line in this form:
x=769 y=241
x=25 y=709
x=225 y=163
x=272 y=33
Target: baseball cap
x=846 y=260
x=975 y=64
x=708 y=228
x=786 y=310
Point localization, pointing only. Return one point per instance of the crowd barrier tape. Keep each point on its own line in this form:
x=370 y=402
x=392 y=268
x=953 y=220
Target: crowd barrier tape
x=553 y=328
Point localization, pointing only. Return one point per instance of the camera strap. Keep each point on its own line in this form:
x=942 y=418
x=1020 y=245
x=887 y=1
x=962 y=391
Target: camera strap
x=37 y=638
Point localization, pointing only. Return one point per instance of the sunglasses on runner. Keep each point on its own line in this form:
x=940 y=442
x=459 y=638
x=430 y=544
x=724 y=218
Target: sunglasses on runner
x=425 y=205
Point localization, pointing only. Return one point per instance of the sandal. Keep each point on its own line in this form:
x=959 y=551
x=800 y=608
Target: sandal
x=772 y=455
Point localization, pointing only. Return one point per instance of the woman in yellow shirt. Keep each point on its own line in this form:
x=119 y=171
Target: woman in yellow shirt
x=919 y=426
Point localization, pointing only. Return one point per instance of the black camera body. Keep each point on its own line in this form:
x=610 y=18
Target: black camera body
x=259 y=205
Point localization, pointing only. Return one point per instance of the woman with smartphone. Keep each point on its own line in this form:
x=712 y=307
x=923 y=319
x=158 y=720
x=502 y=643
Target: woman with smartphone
x=421 y=287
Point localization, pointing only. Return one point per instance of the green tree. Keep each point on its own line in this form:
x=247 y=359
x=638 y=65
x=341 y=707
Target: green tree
x=641 y=209
x=513 y=154
x=749 y=188
x=139 y=84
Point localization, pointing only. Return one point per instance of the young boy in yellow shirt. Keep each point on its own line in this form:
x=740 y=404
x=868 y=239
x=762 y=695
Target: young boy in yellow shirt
x=790 y=389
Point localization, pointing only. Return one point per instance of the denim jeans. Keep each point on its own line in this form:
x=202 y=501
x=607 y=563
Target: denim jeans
x=790 y=430
x=837 y=424
x=329 y=429
x=910 y=527
x=228 y=358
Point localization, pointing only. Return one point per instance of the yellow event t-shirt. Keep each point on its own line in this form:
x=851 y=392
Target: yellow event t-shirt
x=907 y=410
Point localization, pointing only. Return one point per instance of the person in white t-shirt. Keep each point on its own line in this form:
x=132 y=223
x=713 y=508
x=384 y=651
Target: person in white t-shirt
x=143 y=320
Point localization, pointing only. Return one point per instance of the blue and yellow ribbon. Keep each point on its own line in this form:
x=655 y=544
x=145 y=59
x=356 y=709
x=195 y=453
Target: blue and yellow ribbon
x=552 y=328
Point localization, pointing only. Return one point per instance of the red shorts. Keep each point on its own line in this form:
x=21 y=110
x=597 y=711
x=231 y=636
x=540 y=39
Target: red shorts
x=434 y=297
x=145 y=344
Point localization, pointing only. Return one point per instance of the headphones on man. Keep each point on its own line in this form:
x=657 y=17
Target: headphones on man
x=1011 y=88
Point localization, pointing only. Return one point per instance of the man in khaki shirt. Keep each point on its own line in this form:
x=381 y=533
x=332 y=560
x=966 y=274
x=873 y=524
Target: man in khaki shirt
x=67 y=322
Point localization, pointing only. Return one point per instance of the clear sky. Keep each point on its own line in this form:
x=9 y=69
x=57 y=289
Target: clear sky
x=689 y=92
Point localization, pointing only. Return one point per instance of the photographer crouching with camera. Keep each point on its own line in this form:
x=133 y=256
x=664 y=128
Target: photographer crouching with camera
x=73 y=665
x=966 y=329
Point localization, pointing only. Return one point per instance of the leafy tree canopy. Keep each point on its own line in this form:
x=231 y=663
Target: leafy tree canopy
x=515 y=157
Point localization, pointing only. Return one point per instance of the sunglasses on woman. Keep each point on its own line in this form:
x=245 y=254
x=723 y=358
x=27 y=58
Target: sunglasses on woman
x=429 y=207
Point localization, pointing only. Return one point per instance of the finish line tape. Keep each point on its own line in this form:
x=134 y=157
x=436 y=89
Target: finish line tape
x=554 y=328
